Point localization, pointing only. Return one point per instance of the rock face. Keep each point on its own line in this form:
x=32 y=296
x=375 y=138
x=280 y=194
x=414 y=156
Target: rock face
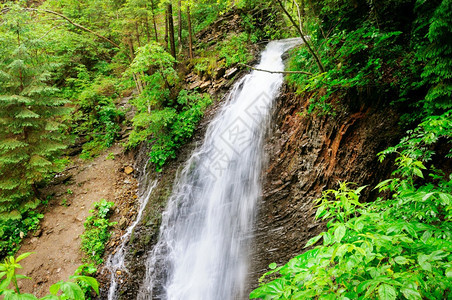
x=308 y=154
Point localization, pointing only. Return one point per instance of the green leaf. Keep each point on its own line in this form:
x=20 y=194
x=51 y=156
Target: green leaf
x=411 y=294
x=423 y=262
x=400 y=260
x=386 y=292
x=418 y=172
x=54 y=288
x=72 y=290
x=26 y=297
x=339 y=233
x=50 y=297
x=313 y=240
x=449 y=272
x=272 y=266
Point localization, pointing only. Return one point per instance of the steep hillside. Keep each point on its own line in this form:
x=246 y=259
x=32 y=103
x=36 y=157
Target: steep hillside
x=308 y=154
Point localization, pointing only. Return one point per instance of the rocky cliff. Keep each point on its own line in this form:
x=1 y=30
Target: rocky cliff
x=308 y=154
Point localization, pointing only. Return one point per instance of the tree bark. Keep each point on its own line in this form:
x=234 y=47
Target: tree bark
x=171 y=30
x=190 y=35
x=137 y=33
x=154 y=21
x=148 y=32
x=166 y=29
x=179 y=24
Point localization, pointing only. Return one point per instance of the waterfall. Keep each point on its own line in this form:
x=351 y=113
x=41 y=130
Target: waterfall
x=206 y=227
x=116 y=261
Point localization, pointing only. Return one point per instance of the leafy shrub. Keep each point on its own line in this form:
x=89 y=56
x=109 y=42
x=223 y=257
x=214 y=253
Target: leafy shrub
x=86 y=270
x=395 y=248
x=62 y=290
x=162 y=119
x=97 y=231
x=180 y=128
x=234 y=49
x=96 y=116
x=13 y=231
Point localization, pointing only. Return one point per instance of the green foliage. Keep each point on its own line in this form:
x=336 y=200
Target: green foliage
x=62 y=290
x=396 y=48
x=180 y=128
x=13 y=231
x=97 y=231
x=31 y=132
x=234 y=49
x=86 y=270
x=398 y=247
x=166 y=122
x=96 y=116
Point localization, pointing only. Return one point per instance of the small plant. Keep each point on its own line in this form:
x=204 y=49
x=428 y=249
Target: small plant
x=111 y=156
x=69 y=192
x=62 y=290
x=13 y=231
x=86 y=270
x=97 y=231
x=64 y=202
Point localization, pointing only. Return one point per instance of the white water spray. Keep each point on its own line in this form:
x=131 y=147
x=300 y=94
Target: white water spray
x=206 y=228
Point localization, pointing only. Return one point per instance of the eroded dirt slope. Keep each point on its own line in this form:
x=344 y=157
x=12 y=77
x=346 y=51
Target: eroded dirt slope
x=57 y=243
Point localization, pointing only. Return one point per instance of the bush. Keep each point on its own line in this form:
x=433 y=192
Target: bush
x=97 y=231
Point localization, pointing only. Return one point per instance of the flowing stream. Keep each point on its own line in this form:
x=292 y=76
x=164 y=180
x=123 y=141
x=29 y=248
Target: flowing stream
x=202 y=251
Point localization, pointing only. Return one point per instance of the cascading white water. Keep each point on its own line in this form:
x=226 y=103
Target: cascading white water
x=206 y=227
x=116 y=261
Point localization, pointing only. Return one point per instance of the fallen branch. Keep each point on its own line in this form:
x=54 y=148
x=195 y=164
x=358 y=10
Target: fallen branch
x=277 y=72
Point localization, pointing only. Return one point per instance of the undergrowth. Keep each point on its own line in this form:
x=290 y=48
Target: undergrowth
x=97 y=231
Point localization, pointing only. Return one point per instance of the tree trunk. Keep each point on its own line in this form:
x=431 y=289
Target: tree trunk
x=179 y=29
x=171 y=30
x=166 y=30
x=137 y=33
x=190 y=35
x=148 y=31
x=155 y=22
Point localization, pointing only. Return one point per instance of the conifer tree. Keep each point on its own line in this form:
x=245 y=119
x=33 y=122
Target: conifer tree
x=31 y=132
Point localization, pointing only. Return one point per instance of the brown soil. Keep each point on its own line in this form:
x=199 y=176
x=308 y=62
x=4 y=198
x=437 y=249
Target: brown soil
x=57 y=243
